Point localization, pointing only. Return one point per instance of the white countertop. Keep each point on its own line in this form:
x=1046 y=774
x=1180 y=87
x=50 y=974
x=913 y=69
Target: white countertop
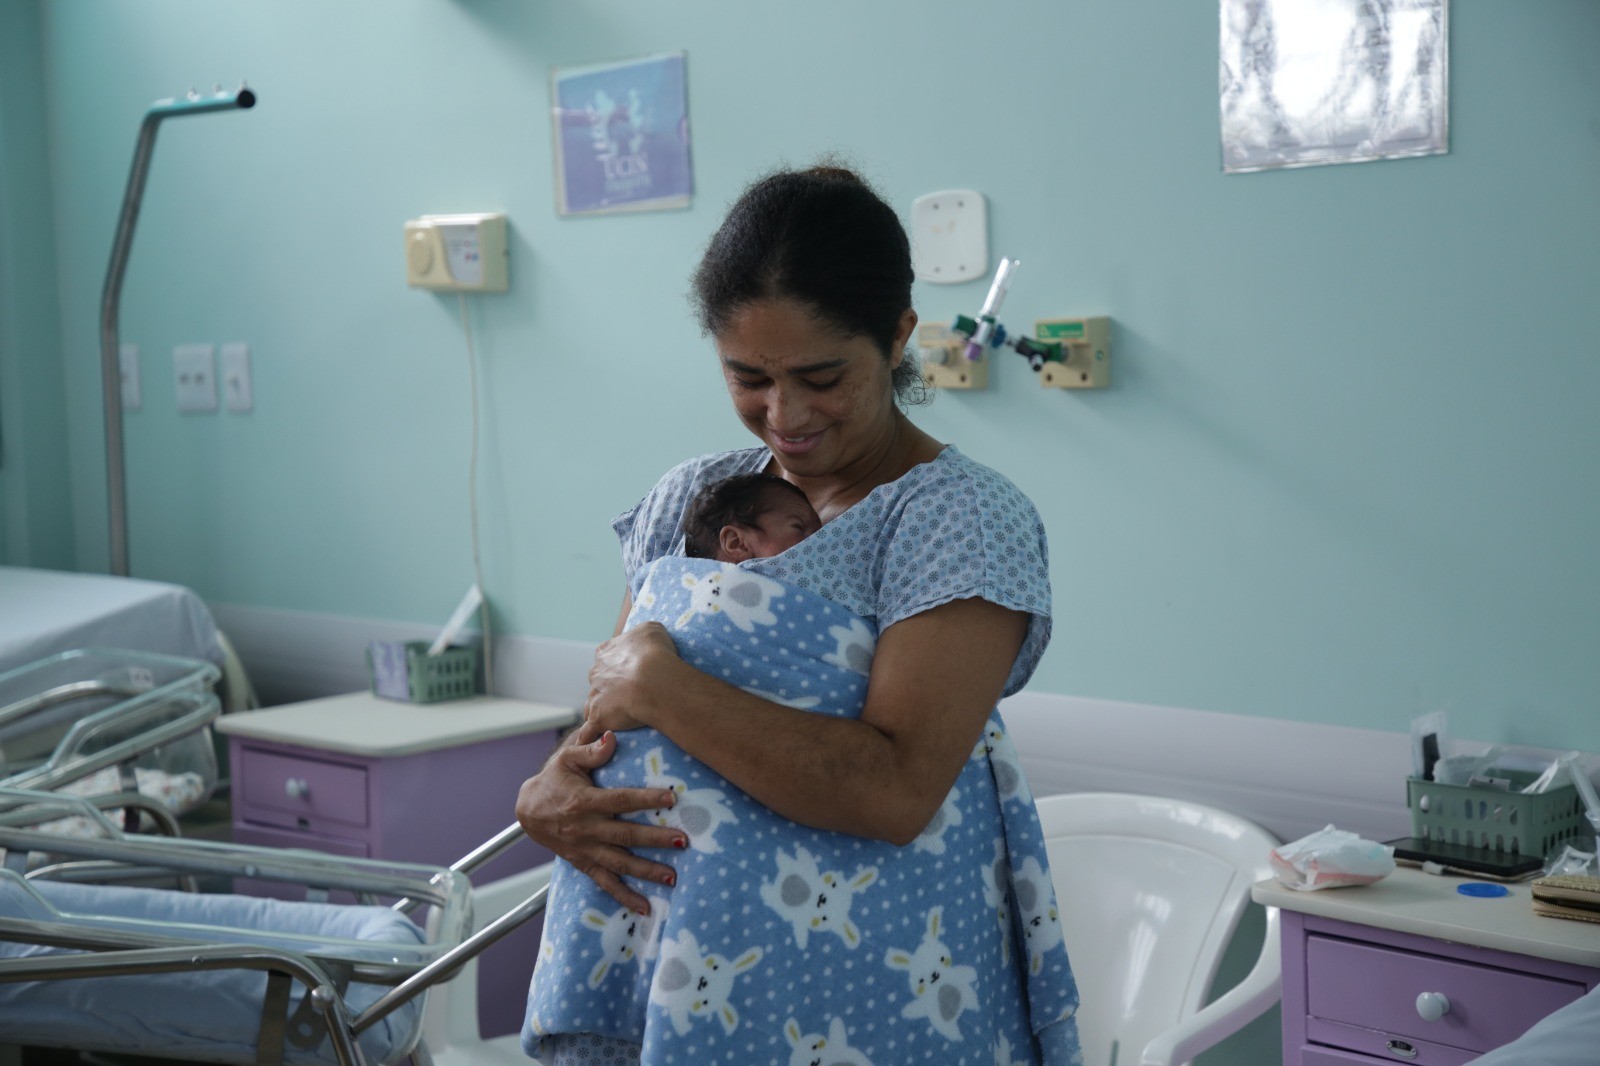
x=1410 y=901
x=363 y=724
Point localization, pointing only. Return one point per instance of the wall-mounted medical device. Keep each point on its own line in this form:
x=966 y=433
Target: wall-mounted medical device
x=944 y=362
x=465 y=252
x=949 y=236
x=1079 y=356
x=1066 y=353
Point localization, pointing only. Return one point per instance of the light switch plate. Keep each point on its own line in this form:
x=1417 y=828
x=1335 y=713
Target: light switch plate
x=194 y=370
x=950 y=236
x=128 y=371
x=236 y=376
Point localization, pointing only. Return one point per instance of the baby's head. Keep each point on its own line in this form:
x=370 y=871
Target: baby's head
x=747 y=516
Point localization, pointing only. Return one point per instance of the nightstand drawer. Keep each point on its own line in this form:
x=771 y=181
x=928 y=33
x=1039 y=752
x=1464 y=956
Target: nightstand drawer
x=297 y=791
x=1370 y=993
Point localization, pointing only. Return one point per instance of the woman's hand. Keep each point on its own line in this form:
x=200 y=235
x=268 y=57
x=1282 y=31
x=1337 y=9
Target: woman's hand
x=560 y=808
x=627 y=672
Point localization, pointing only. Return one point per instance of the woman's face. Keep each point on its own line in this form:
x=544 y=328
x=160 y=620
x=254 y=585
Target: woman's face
x=819 y=400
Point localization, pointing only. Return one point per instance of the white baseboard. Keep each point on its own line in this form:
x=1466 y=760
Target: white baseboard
x=1289 y=777
x=301 y=655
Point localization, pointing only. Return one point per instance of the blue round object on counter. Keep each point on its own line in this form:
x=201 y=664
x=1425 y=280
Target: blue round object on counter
x=1483 y=890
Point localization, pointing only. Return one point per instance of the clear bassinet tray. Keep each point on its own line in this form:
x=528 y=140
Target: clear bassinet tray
x=99 y=721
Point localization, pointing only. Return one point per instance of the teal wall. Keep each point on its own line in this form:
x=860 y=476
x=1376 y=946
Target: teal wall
x=36 y=504
x=1346 y=472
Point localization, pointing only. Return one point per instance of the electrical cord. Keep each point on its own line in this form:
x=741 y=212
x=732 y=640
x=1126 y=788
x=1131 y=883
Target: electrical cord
x=472 y=502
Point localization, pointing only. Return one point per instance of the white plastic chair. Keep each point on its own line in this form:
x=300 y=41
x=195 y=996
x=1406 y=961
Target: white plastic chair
x=1150 y=892
x=450 y=1033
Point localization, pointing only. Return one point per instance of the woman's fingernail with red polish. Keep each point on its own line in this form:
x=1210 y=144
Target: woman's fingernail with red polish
x=670 y=880
x=668 y=798
x=681 y=842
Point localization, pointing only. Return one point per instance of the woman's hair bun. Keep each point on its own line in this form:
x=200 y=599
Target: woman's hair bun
x=828 y=170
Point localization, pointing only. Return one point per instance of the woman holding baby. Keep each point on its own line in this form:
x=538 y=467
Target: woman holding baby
x=805 y=290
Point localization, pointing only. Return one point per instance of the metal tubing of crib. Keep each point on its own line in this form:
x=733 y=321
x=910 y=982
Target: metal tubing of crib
x=110 y=953
x=141 y=961
x=208 y=857
x=50 y=778
x=72 y=690
x=111 y=298
x=444 y=967
x=489 y=849
x=99 y=872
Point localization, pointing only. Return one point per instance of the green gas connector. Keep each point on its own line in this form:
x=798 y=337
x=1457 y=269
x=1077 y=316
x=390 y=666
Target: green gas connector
x=1038 y=353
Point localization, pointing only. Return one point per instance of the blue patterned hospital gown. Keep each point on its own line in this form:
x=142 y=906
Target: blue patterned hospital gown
x=948 y=529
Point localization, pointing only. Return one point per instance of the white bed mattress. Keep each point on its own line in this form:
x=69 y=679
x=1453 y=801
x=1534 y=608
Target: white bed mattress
x=43 y=612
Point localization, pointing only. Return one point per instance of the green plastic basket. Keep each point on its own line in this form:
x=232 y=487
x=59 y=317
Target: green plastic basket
x=1530 y=824
x=450 y=675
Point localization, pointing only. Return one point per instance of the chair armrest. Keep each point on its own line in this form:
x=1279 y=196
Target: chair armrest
x=1230 y=1012
x=450 y=1025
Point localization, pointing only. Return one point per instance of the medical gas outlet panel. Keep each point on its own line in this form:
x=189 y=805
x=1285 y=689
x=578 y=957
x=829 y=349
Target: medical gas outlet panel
x=462 y=253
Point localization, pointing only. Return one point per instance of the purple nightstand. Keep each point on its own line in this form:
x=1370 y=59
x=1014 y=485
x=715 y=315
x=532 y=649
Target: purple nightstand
x=1409 y=970
x=363 y=776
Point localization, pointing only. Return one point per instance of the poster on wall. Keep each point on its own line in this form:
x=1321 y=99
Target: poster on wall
x=622 y=135
x=1309 y=82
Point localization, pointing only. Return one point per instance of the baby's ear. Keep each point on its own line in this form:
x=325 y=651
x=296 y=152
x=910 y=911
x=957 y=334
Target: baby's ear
x=735 y=546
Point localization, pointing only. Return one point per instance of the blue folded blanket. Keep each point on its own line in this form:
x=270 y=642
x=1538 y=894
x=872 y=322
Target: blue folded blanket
x=779 y=939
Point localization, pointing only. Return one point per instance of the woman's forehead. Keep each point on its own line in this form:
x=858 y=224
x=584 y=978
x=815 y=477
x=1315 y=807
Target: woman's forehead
x=787 y=333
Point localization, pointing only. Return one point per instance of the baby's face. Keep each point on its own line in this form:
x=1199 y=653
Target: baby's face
x=786 y=521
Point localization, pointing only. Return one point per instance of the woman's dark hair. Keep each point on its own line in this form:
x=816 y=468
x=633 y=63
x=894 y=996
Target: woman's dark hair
x=821 y=236
x=736 y=501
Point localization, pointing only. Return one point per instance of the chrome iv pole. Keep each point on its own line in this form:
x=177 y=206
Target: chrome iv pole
x=111 y=297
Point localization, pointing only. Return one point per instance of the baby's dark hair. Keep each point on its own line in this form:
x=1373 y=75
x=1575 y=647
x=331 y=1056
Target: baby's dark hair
x=737 y=500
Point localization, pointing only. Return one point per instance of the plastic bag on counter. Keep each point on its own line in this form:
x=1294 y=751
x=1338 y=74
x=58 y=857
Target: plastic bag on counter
x=1331 y=858
x=1571 y=862
x=1467 y=769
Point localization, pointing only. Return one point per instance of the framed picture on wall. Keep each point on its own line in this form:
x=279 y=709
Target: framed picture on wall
x=622 y=135
x=1310 y=82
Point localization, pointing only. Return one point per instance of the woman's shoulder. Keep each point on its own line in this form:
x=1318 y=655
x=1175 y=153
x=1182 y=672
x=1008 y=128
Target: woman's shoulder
x=957 y=479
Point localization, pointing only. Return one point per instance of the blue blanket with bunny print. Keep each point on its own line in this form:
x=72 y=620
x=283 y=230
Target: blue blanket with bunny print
x=781 y=943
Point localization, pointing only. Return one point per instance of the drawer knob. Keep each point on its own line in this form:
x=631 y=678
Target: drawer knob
x=297 y=788
x=1432 y=1006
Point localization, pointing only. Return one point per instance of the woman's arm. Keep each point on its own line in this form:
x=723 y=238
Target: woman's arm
x=936 y=677
x=560 y=808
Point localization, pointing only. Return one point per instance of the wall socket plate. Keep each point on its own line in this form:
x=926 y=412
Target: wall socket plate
x=957 y=371
x=1086 y=345
x=950 y=236
x=236 y=376
x=194 y=371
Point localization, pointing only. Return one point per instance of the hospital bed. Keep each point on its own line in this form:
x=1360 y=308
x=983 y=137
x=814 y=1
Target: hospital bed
x=131 y=729
x=46 y=612
x=338 y=978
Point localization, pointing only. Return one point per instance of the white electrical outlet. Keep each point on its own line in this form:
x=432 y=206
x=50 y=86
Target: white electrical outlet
x=194 y=371
x=236 y=376
x=128 y=371
x=949 y=236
